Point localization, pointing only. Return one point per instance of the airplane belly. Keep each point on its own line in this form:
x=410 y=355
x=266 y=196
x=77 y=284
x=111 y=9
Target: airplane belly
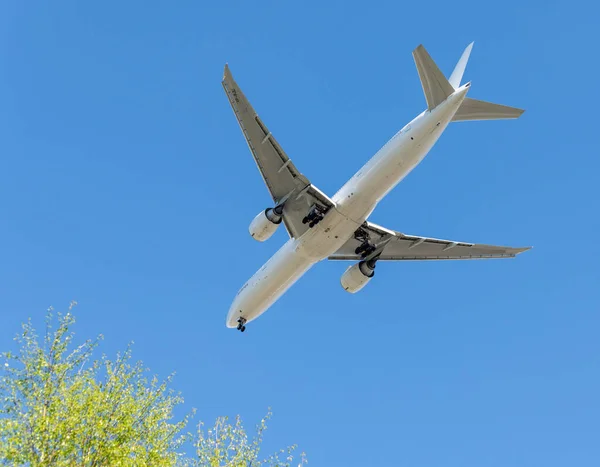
x=288 y=264
x=359 y=197
x=328 y=235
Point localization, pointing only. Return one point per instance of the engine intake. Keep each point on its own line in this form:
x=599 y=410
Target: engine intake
x=357 y=276
x=265 y=223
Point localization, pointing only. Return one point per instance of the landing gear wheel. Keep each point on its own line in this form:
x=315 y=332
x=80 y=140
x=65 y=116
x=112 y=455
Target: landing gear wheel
x=370 y=249
x=365 y=249
x=314 y=216
x=241 y=324
x=314 y=221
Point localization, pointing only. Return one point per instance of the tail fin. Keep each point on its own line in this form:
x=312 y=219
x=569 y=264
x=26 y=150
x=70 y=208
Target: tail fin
x=435 y=85
x=437 y=88
x=472 y=109
x=459 y=69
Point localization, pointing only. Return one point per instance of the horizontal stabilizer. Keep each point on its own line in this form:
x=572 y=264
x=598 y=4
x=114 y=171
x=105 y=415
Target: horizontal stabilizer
x=473 y=109
x=435 y=85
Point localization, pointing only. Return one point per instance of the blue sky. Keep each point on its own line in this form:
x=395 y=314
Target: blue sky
x=125 y=184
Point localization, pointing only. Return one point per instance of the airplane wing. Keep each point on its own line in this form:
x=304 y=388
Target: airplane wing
x=396 y=246
x=283 y=180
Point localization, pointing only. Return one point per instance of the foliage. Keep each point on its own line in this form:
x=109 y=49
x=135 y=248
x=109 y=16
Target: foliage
x=228 y=445
x=58 y=407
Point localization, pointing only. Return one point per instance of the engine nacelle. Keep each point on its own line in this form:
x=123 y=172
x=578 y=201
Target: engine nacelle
x=357 y=276
x=265 y=224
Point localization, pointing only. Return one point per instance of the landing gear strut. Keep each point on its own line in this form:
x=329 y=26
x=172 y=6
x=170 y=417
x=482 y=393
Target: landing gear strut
x=241 y=324
x=314 y=216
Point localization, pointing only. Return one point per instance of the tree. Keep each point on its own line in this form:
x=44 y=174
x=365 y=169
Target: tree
x=227 y=445
x=58 y=407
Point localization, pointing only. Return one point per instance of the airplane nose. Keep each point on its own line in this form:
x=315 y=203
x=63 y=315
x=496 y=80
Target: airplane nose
x=235 y=311
x=231 y=321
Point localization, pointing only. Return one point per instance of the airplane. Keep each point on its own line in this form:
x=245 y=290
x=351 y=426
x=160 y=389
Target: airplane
x=337 y=228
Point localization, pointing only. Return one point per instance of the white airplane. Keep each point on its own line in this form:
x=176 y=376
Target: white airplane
x=337 y=228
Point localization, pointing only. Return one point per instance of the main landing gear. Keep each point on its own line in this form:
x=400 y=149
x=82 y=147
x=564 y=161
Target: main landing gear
x=366 y=247
x=314 y=216
x=241 y=324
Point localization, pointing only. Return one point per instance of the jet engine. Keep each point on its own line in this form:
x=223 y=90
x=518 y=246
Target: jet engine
x=357 y=276
x=265 y=223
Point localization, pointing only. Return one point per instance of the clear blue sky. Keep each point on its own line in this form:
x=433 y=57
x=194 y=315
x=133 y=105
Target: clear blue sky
x=125 y=184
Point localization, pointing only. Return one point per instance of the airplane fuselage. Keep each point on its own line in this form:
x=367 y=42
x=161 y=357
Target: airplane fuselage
x=353 y=203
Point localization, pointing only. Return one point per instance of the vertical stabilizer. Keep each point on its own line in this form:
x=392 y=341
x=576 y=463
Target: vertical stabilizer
x=435 y=85
x=459 y=69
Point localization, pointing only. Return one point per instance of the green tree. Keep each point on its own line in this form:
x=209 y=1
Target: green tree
x=58 y=407
x=228 y=445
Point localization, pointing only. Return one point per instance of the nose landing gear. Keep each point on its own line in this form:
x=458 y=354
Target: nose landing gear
x=241 y=324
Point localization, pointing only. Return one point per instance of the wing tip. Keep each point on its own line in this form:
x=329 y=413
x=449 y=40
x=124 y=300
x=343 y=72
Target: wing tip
x=226 y=72
x=516 y=112
x=418 y=48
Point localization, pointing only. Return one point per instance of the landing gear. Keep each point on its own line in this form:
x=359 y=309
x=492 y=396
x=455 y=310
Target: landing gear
x=365 y=249
x=241 y=324
x=314 y=216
